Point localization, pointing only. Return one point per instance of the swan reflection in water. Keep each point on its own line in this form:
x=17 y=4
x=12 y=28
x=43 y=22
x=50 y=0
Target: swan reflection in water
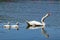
x=42 y=30
x=45 y=33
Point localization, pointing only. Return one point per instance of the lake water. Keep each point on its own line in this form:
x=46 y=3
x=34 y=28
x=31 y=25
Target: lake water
x=30 y=10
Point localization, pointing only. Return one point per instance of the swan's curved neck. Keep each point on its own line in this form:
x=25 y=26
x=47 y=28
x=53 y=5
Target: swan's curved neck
x=17 y=23
x=43 y=18
x=8 y=23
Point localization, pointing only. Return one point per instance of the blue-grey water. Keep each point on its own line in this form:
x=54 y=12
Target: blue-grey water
x=30 y=10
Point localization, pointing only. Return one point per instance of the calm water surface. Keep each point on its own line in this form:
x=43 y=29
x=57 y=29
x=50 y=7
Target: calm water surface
x=30 y=10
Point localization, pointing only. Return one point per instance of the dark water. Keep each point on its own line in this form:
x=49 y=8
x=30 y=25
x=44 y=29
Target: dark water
x=30 y=10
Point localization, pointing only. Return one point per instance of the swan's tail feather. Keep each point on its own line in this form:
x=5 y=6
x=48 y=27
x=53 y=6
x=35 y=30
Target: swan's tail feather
x=28 y=25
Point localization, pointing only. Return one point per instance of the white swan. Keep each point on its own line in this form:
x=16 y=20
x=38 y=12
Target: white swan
x=37 y=24
x=7 y=26
x=15 y=26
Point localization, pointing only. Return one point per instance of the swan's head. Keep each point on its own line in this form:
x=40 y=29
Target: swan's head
x=8 y=23
x=48 y=14
x=17 y=23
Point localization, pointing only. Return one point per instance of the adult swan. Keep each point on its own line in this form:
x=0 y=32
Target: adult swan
x=37 y=24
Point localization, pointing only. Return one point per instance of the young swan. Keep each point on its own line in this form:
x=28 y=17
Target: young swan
x=7 y=26
x=15 y=26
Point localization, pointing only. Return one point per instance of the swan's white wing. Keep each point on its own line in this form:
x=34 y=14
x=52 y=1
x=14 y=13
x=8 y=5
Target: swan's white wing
x=7 y=26
x=34 y=22
x=14 y=26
